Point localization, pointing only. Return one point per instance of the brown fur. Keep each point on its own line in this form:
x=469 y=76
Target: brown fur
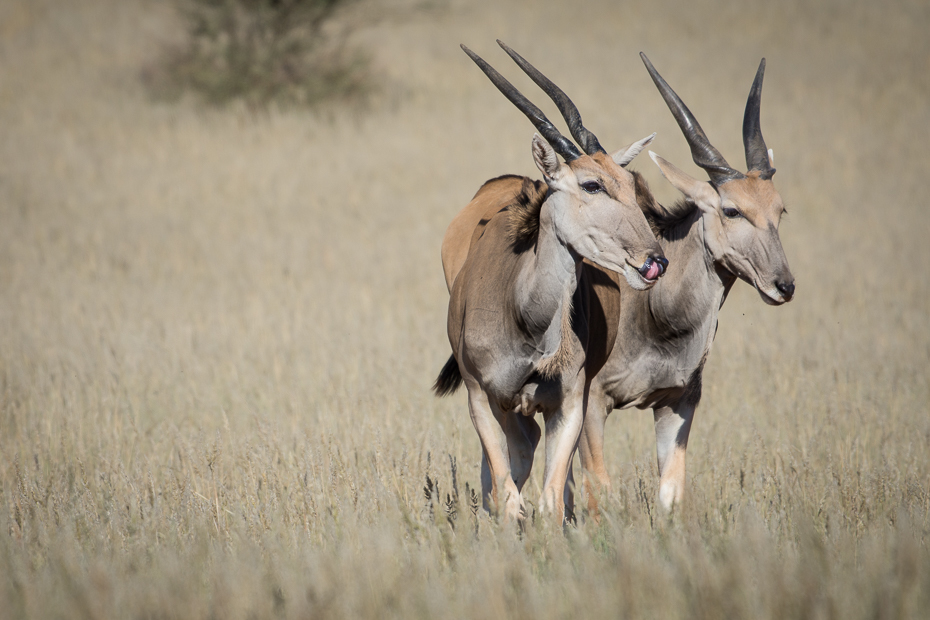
x=492 y=198
x=496 y=181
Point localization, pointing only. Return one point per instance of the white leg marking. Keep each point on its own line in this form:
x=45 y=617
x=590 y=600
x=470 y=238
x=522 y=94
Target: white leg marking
x=498 y=488
x=672 y=429
x=563 y=428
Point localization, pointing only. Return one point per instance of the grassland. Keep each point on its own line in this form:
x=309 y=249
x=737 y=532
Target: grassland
x=218 y=329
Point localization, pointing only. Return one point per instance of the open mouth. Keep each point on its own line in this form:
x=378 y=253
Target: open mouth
x=653 y=269
x=644 y=277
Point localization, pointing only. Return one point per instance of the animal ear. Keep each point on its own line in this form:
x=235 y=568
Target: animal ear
x=546 y=159
x=701 y=192
x=627 y=153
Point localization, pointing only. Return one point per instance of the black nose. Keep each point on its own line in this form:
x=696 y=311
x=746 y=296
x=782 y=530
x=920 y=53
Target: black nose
x=786 y=289
x=662 y=261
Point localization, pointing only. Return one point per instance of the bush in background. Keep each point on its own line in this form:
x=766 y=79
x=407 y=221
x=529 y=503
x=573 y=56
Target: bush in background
x=258 y=51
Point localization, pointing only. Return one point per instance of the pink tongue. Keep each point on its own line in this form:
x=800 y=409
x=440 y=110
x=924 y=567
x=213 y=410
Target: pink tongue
x=653 y=272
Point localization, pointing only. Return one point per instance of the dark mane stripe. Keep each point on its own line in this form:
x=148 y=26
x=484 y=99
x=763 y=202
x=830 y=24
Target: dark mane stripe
x=524 y=214
x=661 y=220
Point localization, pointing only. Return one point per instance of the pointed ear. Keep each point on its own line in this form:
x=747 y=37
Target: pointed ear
x=771 y=158
x=546 y=159
x=627 y=153
x=701 y=192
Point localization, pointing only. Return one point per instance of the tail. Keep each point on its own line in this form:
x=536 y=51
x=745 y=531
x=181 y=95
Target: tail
x=449 y=379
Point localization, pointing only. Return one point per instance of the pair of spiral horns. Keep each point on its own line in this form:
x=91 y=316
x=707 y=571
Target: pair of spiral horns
x=702 y=151
x=562 y=145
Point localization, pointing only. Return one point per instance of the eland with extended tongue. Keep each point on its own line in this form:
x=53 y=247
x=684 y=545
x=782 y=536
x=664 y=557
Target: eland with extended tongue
x=521 y=311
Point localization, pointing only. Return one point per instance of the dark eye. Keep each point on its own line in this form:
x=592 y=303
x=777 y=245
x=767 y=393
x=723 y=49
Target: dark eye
x=731 y=212
x=592 y=187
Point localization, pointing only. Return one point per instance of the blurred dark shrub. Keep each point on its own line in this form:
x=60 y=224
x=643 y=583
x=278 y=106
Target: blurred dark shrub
x=259 y=51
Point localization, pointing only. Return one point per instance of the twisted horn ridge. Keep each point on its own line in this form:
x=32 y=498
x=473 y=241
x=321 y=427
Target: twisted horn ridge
x=702 y=151
x=757 y=155
x=562 y=145
x=586 y=139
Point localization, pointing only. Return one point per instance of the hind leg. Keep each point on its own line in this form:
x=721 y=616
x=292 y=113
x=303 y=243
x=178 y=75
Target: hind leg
x=522 y=435
x=499 y=493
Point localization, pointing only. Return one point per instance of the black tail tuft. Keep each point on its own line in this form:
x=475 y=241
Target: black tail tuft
x=449 y=378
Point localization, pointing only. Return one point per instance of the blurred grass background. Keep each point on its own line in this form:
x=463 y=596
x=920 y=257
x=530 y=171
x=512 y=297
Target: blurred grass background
x=218 y=327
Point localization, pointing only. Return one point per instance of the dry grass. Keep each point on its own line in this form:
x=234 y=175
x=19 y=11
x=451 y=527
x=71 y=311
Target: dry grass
x=217 y=331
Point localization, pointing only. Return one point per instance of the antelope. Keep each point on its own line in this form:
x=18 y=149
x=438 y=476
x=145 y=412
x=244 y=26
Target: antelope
x=520 y=310
x=721 y=231
x=658 y=341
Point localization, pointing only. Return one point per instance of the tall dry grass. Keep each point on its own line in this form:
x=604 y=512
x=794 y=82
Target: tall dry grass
x=217 y=330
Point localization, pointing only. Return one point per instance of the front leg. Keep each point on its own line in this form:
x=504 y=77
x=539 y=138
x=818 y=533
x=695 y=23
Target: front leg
x=591 y=447
x=563 y=427
x=673 y=425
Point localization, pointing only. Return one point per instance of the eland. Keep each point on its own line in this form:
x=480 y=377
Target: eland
x=722 y=231
x=521 y=310
x=657 y=341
